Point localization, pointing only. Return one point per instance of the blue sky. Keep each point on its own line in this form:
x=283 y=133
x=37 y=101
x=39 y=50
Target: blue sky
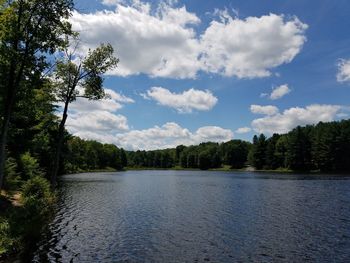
x=193 y=71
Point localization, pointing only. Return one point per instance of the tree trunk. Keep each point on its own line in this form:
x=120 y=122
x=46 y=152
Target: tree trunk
x=60 y=138
x=10 y=99
x=3 y=141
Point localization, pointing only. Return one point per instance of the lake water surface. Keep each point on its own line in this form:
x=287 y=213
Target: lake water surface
x=196 y=216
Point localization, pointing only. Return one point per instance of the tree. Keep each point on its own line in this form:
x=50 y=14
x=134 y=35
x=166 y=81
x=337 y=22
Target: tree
x=204 y=160
x=30 y=30
x=298 y=156
x=86 y=74
x=271 y=159
x=257 y=155
x=235 y=153
x=123 y=158
x=179 y=149
x=281 y=151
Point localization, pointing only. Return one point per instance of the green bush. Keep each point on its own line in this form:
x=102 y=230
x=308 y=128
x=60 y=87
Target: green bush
x=37 y=194
x=12 y=178
x=6 y=241
x=30 y=166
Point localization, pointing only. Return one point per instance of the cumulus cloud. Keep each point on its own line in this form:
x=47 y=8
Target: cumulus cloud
x=279 y=92
x=168 y=135
x=243 y=130
x=111 y=104
x=98 y=117
x=266 y=110
x=163 y=42
x=99 y=120
x=159 y=44
x=343 y=71
x=96 y=121
x=250 y=47
x=290 y=118
x=184 y=102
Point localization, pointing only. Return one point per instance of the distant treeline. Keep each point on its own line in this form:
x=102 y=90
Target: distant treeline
x=324 y=147
x=80 y=155
x=204 y=156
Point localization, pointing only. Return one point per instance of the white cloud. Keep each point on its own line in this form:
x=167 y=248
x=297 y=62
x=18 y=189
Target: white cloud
x=266 y=110
x=280 y=92
x=243 y=130
x=96 y=121
x=183 y=102
x=170 y=135
x=343 y=71
x=111 y=104
x=118 y=97
x=160 y=44
x=97 y=117
x=112 y=2
x=249 y=48
x=164 y=42
x=290 y=118
x=160 y=137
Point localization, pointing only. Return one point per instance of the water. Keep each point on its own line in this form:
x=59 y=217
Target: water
x=195 y=216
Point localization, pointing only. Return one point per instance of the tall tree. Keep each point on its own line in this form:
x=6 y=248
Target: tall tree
x=72 y=72
x=298 y=156
x=29 y=31
x=257 y=154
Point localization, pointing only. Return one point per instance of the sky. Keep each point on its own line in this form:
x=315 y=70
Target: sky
x=197 y=71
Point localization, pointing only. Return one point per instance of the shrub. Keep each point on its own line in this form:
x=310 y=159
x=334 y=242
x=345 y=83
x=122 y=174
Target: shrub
x=30 y=166
x=37 y=195
x=6 y=241
x=12 y=178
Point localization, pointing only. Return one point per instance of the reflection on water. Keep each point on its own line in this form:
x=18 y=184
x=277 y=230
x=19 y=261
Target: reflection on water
x=182 y=216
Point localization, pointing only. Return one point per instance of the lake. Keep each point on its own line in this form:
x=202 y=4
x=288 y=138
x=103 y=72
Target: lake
x=198 y=216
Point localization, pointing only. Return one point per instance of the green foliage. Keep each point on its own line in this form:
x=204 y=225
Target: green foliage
x=30 y=32
x=204 y=156
x=21 y=226
x=257 y=155
x=30 y=166
x=37 y=196
x=204 y=160
x=123 y=158
x=96 y=63
x=235 y=153
x=324 y=147
x=88 y=73
x=13 y=179
x=81 y=155
x=6 y=241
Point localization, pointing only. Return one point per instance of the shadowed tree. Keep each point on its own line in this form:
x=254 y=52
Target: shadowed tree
x=29 y=31
x=86 y=73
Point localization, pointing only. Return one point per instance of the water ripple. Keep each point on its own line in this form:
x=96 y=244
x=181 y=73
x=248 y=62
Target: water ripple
x=168 y=216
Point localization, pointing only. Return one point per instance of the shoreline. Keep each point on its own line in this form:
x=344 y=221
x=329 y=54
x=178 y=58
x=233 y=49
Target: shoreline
x=222 y=169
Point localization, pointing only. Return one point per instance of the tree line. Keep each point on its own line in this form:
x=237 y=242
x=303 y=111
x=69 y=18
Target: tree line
x=203 y=156
x=323 y=147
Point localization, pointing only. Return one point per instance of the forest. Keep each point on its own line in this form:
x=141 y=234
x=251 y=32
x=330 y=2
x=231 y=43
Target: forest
x=324 y=147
